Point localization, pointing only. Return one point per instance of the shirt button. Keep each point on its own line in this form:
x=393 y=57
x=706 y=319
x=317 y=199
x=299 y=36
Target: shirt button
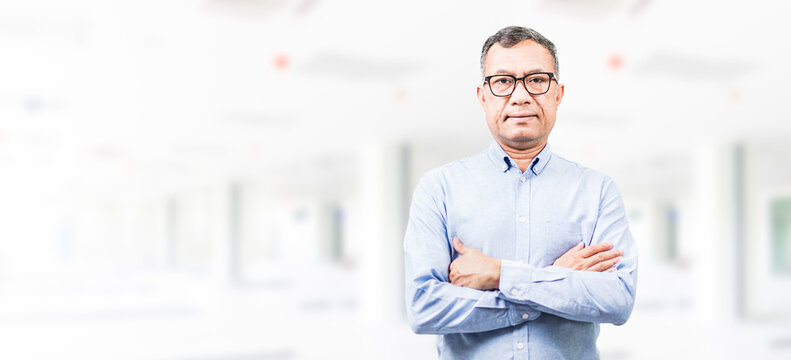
x=520 y=345
x=525 y=316
x=522 y=179
x=514 y=292
x=521 y=219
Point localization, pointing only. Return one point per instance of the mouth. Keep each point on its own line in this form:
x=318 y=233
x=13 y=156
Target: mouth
x=521 y=117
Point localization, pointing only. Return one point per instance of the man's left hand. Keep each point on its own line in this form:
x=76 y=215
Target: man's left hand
x=473 y=269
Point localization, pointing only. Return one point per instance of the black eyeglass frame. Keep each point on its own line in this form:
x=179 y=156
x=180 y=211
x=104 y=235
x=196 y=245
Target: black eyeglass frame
x=522 y=80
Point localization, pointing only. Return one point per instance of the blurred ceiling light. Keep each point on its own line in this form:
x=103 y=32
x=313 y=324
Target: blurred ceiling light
x=250 y=8
x=615 y=61
x=259 y=120
x=639 y=6
x=46 y=27
x=355 y=68
x=106 y=152
x=693 y=68
x=281 y=62
x=400 y=96
x=305 y=6
x=592 y=8
x=735 y=96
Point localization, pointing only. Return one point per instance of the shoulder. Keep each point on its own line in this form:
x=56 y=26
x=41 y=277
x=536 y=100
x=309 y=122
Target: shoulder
x=574 y=168
x=563 y=167
x=456 y=170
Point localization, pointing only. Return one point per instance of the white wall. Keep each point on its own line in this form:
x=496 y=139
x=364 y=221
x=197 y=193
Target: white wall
x=125 y=127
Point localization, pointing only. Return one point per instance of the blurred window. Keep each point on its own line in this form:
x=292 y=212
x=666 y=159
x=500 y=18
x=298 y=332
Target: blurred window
x=781 y=235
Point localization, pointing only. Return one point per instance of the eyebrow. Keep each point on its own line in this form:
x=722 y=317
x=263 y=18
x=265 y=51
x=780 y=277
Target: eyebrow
x=508 y=72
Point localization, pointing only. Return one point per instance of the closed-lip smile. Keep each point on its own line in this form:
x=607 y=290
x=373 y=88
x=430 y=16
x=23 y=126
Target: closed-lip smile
x=520 y=116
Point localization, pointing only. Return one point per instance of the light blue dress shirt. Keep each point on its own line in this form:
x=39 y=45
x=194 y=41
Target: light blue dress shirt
x=527 y=219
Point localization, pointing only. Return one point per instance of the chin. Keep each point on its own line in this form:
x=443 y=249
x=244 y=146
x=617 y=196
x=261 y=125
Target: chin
x=519 y=142
x=521 y=137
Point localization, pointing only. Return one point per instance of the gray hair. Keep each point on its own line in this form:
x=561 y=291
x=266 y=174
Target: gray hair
x=512 y=35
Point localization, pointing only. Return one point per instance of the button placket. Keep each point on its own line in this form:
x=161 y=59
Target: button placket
x=523 y=186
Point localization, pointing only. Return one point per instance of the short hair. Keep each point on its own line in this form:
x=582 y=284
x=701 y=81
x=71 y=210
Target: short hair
x=512 y=35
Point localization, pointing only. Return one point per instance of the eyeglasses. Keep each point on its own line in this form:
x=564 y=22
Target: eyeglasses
x=535 y=83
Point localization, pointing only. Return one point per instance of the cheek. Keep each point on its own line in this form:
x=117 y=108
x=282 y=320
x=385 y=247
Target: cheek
x=547 y=106
x=494 y=111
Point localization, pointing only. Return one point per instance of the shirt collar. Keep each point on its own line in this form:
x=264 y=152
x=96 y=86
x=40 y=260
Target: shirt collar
x=504 y=162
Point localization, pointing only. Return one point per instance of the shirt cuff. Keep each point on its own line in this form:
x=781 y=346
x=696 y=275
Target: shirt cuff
x=521 y=314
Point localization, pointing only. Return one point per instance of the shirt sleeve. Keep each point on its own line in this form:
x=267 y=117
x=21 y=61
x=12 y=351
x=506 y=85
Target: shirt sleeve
x=603 y=297
x=434 y=305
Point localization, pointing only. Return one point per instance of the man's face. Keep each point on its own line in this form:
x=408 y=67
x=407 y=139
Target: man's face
x=522 y=120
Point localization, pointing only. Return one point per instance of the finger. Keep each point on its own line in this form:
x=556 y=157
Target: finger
x=605 y=265
x=595 y=249
x=458 y=245
x=601 y=257
x=573 y=250
x=612 y=269
x=456 y=279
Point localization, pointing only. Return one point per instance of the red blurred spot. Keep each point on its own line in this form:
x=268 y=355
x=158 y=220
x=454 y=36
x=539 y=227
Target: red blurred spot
x=281 y=62
x=400 y=96
x=735 y=96
x=615 y=62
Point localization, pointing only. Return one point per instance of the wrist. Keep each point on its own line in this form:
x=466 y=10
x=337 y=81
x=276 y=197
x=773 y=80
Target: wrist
x=495 y=281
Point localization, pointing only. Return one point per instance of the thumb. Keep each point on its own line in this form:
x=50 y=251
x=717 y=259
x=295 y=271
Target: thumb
x=580 y=246
x=458 y=245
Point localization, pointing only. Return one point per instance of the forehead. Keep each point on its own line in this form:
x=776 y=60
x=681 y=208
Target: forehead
x=523 y=57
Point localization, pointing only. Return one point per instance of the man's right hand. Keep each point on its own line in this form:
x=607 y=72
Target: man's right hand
x=597 y=257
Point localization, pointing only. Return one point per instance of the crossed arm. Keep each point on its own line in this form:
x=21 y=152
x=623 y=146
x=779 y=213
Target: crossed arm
x=475 y=270
x=476 y=293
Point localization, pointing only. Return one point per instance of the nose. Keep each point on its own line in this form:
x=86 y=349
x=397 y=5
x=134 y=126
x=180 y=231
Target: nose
x=520 y=95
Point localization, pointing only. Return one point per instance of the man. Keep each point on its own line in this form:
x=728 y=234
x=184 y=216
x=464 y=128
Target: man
x=518 y=253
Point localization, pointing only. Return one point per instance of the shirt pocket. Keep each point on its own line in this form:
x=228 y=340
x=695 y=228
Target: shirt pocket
x=560 y=236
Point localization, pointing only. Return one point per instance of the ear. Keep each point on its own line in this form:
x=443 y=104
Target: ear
x=560 y=89
x=479 y=91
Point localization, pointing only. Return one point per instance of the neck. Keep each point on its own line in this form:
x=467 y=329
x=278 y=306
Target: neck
x=523 y=156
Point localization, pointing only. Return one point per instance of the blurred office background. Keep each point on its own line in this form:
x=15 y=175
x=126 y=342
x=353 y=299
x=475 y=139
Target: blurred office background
x=229 y=179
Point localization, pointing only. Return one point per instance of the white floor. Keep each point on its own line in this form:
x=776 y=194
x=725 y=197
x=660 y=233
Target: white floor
x=289 y=323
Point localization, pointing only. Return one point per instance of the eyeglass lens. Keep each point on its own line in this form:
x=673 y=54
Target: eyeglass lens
x=504 y=85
